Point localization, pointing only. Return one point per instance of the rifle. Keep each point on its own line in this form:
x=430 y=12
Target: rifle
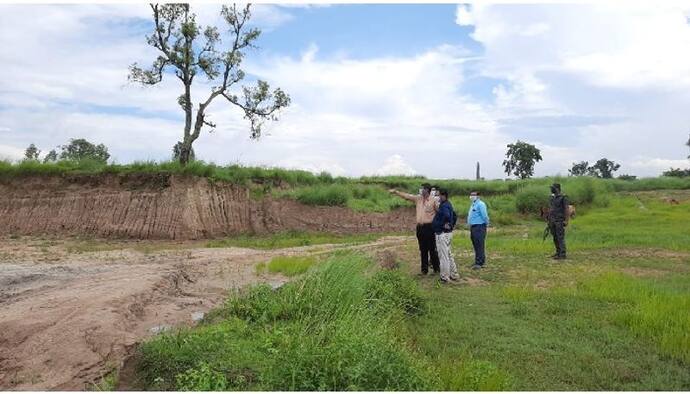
x=547 y=231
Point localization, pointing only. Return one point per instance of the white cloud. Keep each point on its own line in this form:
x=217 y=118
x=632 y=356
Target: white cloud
x=8 y=152
x=395 y=165
x=656 y=165
x=463 y=15
x=625 y=68
x=580 y=81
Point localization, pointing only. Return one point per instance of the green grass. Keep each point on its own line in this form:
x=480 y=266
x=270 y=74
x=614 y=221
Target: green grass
x=614 y=316
x=290 y=239
x=323 y=332
x=287 y=265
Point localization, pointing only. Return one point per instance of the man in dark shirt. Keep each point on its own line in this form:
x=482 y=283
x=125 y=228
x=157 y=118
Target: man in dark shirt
x=558 y=212
x=443 y=224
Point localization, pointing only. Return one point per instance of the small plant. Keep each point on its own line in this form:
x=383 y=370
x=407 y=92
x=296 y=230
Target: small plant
x=201 y=378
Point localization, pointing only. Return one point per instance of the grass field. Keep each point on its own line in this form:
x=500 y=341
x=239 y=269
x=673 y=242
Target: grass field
x=614 y=316
x=290 y=239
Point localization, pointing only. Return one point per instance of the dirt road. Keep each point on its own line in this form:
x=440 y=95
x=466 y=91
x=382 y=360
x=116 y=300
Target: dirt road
x=68 y=318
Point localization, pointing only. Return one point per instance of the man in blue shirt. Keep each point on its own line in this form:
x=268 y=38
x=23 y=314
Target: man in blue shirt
x=443 y=224
x=478 y=220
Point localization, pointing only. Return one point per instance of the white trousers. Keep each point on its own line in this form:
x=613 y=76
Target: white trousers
x=448 y=268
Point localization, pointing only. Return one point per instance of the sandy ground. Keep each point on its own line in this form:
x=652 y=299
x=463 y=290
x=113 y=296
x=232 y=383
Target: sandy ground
x=68 y=318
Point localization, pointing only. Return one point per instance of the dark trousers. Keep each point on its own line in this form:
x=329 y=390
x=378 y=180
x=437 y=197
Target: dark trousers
x=427 y=247
x=558 y=232
x=478 y=236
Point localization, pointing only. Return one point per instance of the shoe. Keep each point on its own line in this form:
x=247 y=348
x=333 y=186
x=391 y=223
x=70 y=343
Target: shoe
x=559 y=258
x=422 y=274
x=476 y=267
x=555 y=257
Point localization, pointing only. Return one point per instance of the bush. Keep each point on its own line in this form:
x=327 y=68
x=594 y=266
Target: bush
x=531 y=199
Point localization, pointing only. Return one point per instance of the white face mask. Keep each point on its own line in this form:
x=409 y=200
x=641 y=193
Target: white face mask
x=473 y=198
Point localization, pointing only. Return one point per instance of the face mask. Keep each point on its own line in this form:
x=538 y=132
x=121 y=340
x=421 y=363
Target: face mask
x=421 y=191
x=473 y=198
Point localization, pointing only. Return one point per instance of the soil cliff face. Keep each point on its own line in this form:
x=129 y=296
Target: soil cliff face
x=161 y=206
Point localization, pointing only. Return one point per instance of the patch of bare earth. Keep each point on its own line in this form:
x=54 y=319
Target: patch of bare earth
x=66 y=318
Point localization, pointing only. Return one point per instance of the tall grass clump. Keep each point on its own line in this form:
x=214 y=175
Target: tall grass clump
x=321 y=332
x=328 y=195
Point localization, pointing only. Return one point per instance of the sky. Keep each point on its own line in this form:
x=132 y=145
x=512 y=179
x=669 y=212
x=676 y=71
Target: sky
x=376 y=89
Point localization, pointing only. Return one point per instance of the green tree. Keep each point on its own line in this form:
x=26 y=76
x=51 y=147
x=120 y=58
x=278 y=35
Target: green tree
x=81 y=149
x=177 y=150
x=677 y=172
x=188 y=53
x=579 y=169
x=520 y=159
x=51 y=156
x=31 y=153
x=603 y=168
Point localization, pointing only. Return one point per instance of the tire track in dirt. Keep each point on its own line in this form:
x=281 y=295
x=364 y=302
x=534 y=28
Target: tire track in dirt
x=66 y=322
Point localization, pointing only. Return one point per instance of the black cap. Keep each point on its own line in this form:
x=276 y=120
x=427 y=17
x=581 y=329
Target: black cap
x=556 y=186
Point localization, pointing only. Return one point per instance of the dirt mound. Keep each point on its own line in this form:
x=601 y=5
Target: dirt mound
x=160 y=206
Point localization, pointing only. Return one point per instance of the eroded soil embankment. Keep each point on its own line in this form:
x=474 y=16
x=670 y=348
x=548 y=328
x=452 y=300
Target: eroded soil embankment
x=160 y=206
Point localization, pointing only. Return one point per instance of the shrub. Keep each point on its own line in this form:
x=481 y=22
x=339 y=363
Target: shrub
x=531 y=199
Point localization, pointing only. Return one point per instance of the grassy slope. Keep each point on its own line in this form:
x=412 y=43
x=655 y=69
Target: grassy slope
x=612 y=317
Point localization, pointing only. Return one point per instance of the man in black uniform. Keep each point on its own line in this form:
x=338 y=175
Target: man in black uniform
x=558 y=220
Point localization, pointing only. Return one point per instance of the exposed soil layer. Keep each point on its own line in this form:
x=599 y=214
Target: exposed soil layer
x=67 y=319
x=161 y=206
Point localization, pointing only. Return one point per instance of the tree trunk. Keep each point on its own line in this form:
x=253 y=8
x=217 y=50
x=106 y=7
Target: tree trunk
x=185 y=150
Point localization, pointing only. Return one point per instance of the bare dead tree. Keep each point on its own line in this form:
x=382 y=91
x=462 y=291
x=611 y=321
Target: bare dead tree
x=182 y=49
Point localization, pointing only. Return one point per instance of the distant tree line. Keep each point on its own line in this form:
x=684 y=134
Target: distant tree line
x=77 y=149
